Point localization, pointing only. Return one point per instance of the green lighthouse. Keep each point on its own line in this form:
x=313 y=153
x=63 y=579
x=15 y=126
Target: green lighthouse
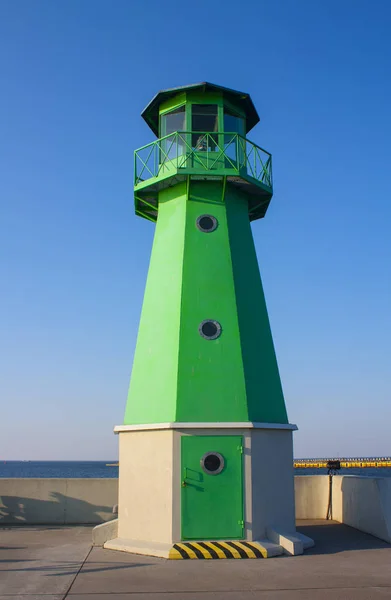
x=206 y=447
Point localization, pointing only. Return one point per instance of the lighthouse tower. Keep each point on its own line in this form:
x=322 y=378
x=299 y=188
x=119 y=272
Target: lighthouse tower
x=205 y=451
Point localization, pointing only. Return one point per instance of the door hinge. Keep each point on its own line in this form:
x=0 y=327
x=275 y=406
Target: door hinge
x=240 y=448
x=241 y=523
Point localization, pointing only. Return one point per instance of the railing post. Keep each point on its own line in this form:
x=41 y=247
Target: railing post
x=255 y=164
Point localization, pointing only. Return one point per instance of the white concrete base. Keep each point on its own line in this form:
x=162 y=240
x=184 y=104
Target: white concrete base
x=160 y=550
x=163 y=550
x=271 y=548
x=269 y=483
x=149 y=515
x=292 y=544
x=104 y=532
x=284 y=544
x=149 y=487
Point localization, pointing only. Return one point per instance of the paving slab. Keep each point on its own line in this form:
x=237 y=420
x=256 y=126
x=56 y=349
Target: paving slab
x=59 y=563
x=345 y=563
x=339 y=594
x=32 y=596
x=36 y=561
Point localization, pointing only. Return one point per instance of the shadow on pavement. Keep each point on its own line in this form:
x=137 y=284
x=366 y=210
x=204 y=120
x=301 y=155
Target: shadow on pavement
x=15 y=560
x=331 y=537
x=56 y=570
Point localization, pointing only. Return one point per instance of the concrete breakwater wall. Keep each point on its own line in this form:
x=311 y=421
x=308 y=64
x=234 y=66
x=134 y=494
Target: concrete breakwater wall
x=361 y=502
x=57 y=501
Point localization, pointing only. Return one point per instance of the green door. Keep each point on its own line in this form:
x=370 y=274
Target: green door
x=212 y=487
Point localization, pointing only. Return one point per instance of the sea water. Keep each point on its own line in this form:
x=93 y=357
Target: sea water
x=58 y=468
x=104 y=469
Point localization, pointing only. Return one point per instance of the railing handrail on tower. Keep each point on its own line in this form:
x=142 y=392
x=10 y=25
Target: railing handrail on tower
x=227 y=152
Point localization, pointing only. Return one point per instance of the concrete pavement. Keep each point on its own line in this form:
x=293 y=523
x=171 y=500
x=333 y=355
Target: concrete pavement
x=55 y=563
x=41 y=561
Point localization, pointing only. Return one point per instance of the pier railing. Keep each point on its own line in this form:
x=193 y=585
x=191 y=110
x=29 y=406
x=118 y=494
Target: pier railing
x=346 y=463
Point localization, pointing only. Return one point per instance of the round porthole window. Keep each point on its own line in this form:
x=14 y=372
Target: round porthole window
x=207 y=223
x=209 y=329
x=212 y=463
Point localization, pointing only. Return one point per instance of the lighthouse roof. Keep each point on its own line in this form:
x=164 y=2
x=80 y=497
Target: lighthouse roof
x=151 y=112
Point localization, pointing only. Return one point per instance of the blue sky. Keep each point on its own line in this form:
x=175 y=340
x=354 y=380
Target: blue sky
x=73 y=257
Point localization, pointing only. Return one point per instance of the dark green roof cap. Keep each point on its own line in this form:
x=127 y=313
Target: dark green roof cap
x=151 y=113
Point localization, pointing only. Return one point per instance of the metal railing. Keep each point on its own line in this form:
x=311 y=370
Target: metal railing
x=202 y=151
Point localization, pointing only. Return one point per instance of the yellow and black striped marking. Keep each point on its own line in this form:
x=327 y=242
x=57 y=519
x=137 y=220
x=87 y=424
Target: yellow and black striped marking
x=202 y=550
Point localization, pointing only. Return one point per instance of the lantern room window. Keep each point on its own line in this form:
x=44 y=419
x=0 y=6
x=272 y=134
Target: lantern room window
x=173 y=121
x=232 y=122
x=204 y=123
x=170 y=123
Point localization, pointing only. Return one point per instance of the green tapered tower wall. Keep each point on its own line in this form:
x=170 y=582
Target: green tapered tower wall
x=177 y=374
x=211 y=382
x=152 y=394
x=263 y=384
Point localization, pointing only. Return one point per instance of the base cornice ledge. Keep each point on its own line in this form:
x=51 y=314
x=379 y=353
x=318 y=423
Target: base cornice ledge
x=216 y=425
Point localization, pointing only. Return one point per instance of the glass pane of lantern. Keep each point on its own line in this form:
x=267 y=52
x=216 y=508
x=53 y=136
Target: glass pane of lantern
x=232 y=124
x=204 y=120
x=169 y=124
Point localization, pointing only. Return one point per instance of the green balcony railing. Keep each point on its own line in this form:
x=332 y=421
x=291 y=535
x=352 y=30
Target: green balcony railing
x=201 y=152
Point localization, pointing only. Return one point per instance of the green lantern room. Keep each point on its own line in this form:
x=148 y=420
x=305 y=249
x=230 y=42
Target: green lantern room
x=202 y=132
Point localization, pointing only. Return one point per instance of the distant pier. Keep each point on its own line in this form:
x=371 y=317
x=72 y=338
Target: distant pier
x=346 y=463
